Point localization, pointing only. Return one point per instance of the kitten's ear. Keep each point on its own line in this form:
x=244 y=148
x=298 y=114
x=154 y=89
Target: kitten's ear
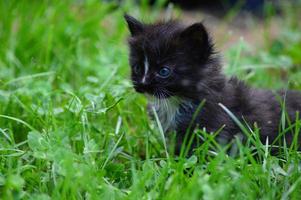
x=135 y=26
x=196 y=33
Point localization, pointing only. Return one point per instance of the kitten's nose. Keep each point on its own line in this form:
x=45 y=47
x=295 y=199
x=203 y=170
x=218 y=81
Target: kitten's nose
x=144 y=83
x=143 y=87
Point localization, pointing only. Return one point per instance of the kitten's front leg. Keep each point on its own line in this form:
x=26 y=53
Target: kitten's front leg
x=150 y=111
x=223 y=139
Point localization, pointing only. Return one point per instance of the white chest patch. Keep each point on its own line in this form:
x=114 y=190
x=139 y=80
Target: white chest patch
x=168 y=110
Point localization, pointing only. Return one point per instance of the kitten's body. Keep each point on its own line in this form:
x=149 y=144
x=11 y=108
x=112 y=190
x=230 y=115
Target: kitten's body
x=191 y=74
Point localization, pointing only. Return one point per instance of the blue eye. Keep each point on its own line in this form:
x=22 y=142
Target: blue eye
x=136 y=69
x=164 y=72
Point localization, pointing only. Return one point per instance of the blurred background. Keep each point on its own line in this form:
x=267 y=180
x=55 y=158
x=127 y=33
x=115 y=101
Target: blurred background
x=261 y=34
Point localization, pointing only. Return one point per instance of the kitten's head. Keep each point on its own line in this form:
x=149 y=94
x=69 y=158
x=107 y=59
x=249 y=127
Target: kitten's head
x=170 y=59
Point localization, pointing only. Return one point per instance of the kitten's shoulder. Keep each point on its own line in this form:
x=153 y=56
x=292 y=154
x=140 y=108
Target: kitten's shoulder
x=235 y=86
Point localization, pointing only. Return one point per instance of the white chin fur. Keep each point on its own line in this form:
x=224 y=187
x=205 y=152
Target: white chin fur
x=168 y=110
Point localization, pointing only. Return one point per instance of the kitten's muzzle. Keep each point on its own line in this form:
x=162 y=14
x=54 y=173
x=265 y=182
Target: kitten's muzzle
x=144 y=88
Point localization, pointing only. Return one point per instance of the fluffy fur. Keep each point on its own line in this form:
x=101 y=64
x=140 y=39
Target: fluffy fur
x=195 y=75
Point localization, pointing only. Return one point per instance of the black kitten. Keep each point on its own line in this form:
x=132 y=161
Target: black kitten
x=177 y=68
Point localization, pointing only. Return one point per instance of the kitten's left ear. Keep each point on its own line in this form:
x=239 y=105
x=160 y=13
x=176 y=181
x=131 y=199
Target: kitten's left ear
x=135 y=26
x=196 y=33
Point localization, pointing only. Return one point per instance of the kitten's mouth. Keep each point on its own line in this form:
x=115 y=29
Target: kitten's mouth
x=161 y=95
x=156 y=96
x=153 y=92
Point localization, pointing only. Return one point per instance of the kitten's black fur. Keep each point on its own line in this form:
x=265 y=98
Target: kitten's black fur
x=195 y=76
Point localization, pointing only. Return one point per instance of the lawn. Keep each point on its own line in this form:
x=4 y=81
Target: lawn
x=72 y=127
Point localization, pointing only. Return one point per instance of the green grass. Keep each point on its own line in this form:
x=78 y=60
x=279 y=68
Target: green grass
x=71 y=126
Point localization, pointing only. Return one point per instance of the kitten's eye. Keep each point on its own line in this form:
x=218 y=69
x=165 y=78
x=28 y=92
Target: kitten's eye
x=164 y=72
x=136 y=69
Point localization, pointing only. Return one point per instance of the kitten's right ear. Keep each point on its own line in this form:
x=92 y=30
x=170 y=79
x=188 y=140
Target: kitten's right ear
x=197 y=34
x=135 y=26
